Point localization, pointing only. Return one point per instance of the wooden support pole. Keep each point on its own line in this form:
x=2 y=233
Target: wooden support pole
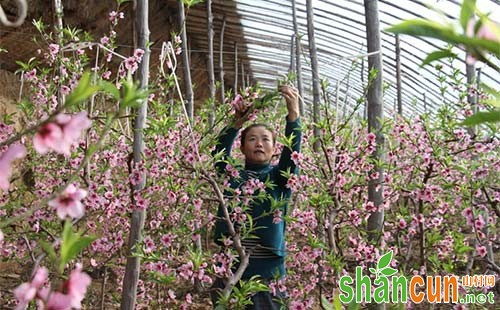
x=398 y=76
x=235 y=85
x=291 y=67
x=210 y=63
x=243 y=84
x=185 y=59
x=315 y=73
x=298 y=64
x=221 y=60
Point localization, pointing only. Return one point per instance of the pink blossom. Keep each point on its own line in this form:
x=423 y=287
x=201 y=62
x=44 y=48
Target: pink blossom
x=26 y=292
x=227 y=242
x=486 y=32
x=30 y=75
x=171 y=294
x=402 y=224
x=369 y=206
x=236 y=100
x=106 y=75
x=61 y=134
x=53 y=50
x=65 y=90
x=69 y=202
x=58 y=301
x=297 y=157
x=14 y=152
x=178 y=39
x=277 y=216
x=73 y=128
x=138 y=53
x=77 y=286
x=370 y=138
x=113 y=16
x=104 y=40
x=481 y=250
x=167 y=239
x=149 y=245
x=479 y=222
x=131 y=64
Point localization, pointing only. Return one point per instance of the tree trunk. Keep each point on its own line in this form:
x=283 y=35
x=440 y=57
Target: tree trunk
x=211 y=75
x=298 y=64
x=185 y=60
x=375 y=116
x=398 y=75
x=315 y=73
x=132 y=269
x=221 y=61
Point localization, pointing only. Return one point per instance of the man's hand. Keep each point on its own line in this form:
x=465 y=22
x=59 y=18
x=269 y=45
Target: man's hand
x=291 y=95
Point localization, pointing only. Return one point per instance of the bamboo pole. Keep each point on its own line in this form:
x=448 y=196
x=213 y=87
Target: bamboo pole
x=398 y=76
x=298 y=64
x=211 y=75
x=59 y=12
x=243 y=84
x=132 y=269
x=235 y=85
x=315 y=73
x=185 y=60
x=221 y=60
x=291 y=67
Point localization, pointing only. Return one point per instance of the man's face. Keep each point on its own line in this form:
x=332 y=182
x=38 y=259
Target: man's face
x=259 y=146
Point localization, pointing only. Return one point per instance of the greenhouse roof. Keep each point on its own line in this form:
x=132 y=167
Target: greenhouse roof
x=340 y=37
x=263 y=30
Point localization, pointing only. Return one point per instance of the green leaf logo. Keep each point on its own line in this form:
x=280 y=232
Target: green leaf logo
x=383 y=269
x=385 y=260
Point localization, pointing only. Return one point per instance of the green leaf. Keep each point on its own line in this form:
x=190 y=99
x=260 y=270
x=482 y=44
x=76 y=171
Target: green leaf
x=353 y=305
x=82 y=91
x=388 y=271
x=466 y=12
x=110 y=88
x=482 y=117
x=446 y=33
x=494 y=99
x=326 y=304
x=191 y=3
x=336 y=302
x=385 y=260
x=373 y=270
x=72 y=244
x=132 y=95
x=438 y=55
x=49 y=249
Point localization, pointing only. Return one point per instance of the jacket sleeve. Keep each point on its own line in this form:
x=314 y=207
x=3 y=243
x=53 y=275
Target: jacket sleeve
x=286 y=163
x=224 y=144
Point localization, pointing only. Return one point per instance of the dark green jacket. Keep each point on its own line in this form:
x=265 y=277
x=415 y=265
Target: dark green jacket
x=271 y=235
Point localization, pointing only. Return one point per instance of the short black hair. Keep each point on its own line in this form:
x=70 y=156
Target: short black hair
x=247 y=129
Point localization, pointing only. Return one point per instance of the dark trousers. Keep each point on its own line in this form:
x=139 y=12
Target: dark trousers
x=260 y=300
